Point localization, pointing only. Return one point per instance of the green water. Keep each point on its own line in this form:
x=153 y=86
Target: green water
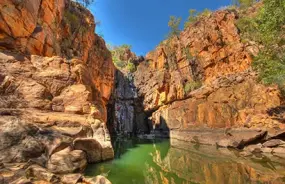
x=156 y=162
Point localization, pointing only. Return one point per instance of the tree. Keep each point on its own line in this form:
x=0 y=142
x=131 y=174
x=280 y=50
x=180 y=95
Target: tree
x=244 y=3
x=85 y=3
x=174 y=24
x=191 y=18
x=267 y=29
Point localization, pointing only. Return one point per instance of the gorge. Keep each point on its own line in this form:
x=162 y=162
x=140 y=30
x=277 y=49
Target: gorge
x=193 y=110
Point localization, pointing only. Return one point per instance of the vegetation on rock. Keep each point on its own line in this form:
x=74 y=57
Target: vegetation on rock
x=85 y=3
x=191 y=86
x=123 y=58
x=194 y=15
x=244 y=3
x=173 y=24
x=267 y=29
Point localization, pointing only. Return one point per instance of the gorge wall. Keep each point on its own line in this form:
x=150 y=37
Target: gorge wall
x=56 y=77
x=199 y=86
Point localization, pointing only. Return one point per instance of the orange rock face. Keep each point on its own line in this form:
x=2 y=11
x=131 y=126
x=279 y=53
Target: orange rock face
x=203 y=78
x=56 y=27
x=56 y=75
x=224 y=103
x=205 y=50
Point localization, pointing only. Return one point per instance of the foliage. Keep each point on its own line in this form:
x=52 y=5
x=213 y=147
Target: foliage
x=118 y=63
x=267 y=28
x=85 y=3
x=186 y=51
x=248 y=27
x=191 y=86
x=174 y=24
x=131 y=67
x=194 y=15
x=72 y=19
x=243 y=3
x=271 y=20
x=271 y=69
x=118 y=53
x=191 y=18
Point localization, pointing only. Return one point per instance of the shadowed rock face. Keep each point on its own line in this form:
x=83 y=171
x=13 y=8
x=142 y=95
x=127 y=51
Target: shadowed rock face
x=56 y=77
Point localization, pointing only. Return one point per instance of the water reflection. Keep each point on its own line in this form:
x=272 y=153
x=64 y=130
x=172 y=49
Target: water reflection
x=155 y=162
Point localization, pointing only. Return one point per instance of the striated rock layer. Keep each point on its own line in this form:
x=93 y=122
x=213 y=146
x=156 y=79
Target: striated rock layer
x=56 y=77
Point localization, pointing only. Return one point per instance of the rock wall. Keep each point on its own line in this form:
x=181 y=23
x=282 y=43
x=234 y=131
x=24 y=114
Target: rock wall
x=201 y=81
x=208 y=48
x=56 y=78
x=126 y=114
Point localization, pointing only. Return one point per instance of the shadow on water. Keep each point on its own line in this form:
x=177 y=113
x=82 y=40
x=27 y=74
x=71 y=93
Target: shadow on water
x=155 y=161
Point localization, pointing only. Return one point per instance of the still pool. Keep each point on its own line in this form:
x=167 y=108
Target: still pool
x=156 y=162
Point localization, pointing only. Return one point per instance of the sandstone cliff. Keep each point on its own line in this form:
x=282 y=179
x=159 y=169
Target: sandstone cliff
x=200 y=86
x=56 y=77
x=126 y=115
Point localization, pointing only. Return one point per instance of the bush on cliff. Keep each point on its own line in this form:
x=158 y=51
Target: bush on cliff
x=123 y=57
x=191 y=86
x=194 y=16
x=85 y=3
x=173 y=24
x=131 y=67
x=244 y=3
x=267 y=29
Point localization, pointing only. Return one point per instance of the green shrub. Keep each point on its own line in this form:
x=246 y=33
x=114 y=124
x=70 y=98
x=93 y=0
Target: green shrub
x=191 y=86
x=244 y=3
x=85 y=3
x=267 y=28
x=131 y=67
x=248 y=27
x=191 y=18
x=271 y=70
x=194 y=16
x=118 y=63
x=174 y=24
x=72 y=19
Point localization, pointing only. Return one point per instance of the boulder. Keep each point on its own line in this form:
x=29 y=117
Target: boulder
x=71 y=178
x=107 y=151
x=97 y=180
x=273 y=143
x=18 y=141
x=67 y=161
x=75 y=98
x=39 y=173
x=92 y=148
x=256 y=148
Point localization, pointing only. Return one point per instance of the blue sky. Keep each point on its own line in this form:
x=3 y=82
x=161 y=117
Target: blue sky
x=143 y=23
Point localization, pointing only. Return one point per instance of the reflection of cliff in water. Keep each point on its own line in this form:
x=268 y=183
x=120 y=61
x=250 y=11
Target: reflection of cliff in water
x=158 y=163
x=204 y=164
